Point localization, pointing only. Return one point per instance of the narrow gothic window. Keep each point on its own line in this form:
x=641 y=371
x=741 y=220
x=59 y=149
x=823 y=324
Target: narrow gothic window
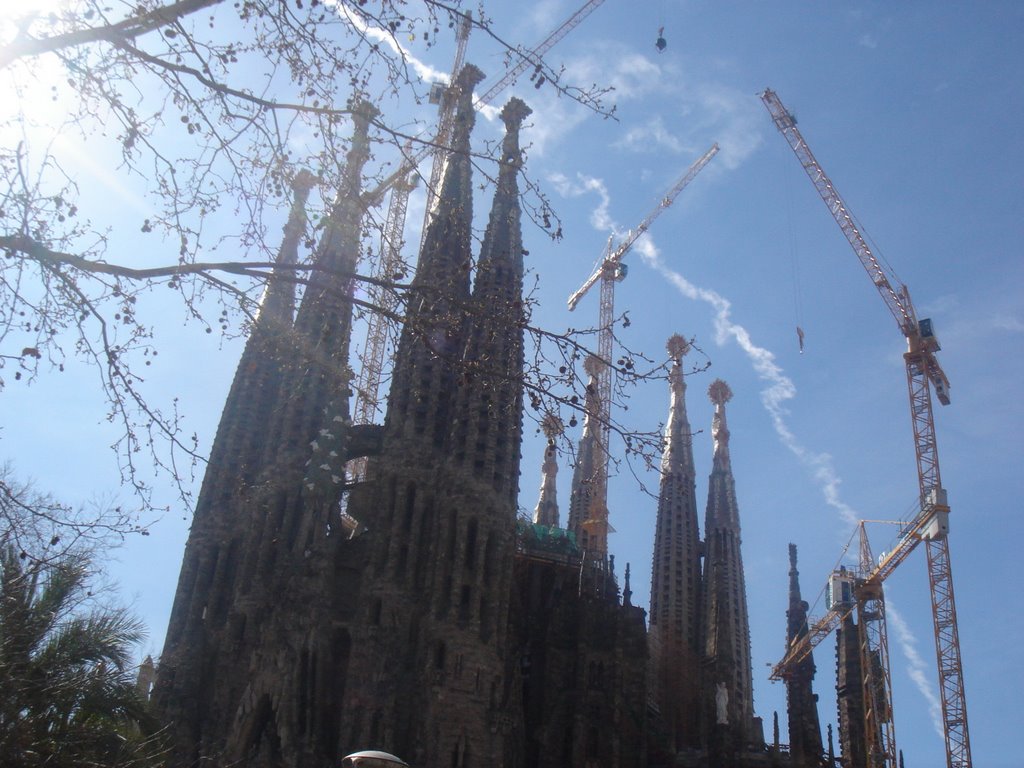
x=470 y=558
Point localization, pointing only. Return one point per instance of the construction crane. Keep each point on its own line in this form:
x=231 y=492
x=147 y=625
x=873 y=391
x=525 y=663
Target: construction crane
x=931 y=524
x=609 y=271
x=401 y=182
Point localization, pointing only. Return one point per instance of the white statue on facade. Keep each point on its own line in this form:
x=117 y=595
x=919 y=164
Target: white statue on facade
x=722 y=704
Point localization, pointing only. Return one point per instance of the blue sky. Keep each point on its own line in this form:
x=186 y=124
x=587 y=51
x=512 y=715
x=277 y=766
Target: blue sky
x=916 y=111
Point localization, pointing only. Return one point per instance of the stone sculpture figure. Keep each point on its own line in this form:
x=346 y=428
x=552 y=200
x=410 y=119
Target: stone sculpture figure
x=722 y=704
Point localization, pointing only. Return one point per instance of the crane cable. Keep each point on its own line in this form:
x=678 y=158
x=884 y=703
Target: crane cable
x=660 y=43
x=794 y=259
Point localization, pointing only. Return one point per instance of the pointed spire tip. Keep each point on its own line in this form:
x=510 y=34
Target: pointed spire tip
x=719 y=392
x=468 y=77
x=303 y=181
x=514 y=113
x=677 y=347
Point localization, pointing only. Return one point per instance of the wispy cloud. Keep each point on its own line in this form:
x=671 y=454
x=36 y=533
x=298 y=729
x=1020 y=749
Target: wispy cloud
x=632 y=75
x=423 y=70
x=916 y=668
x=1009 y=323
x=697 y=109
x=650 y=136
x=780 y=388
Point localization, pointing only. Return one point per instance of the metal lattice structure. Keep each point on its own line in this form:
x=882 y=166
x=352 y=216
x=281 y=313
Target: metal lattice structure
x=876 y=679
x=609 y=271
x=923 y=373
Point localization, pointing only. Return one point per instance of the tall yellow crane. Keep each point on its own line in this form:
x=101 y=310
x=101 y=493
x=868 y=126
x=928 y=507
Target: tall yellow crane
x=931 y=524
x=609 y=271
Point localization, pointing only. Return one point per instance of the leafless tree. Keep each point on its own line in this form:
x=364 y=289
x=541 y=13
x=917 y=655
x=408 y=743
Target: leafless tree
x=206 y=110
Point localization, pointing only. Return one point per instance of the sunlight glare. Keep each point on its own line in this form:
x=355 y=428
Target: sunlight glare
x=16 y=16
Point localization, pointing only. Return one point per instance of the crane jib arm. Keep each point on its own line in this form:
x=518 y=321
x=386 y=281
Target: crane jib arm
x=611 y=261
x=894 y=299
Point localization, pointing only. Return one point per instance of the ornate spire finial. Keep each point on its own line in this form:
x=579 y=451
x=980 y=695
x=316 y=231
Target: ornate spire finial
x=363 y=111
x=719 y=392
x=546 y=512
x=514 y=113
x=468 y=78
x=552 y=427
x=677 y=347
x=592 y=365
x=303 y=182
x=627 y=593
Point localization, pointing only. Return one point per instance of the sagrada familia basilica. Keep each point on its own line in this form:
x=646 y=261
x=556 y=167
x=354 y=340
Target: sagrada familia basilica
x=438 y=625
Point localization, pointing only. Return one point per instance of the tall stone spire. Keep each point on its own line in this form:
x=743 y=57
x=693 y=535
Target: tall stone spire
x=546 y=512
x=801 y=703
x=725 y=627
x=487 y=419
x=675 y=574
x=235 y=455
x=585 y=492
x=431 y=343
x=221 y=524
x=305 y=434
x=440 y=504
x=324 y=320
x=483 y=465
x=850 y=695
x=278 y=303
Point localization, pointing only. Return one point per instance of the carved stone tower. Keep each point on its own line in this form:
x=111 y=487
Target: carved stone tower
x=429 y=678
x=725 y=643
x=674 y=621
x=850 y=695
x=805 y=745
x=546 y=512
x=586 y=490
x=255 y=518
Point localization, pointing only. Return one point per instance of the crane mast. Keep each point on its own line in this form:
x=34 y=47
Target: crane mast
x=445 y=123
x=876 y=679
x=923 y=372
x=609 y=271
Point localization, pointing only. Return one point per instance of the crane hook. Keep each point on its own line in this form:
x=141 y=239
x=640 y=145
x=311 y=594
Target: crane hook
x=661 y=43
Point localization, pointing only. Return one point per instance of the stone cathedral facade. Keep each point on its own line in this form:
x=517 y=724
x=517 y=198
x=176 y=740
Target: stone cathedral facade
x=443 y=628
